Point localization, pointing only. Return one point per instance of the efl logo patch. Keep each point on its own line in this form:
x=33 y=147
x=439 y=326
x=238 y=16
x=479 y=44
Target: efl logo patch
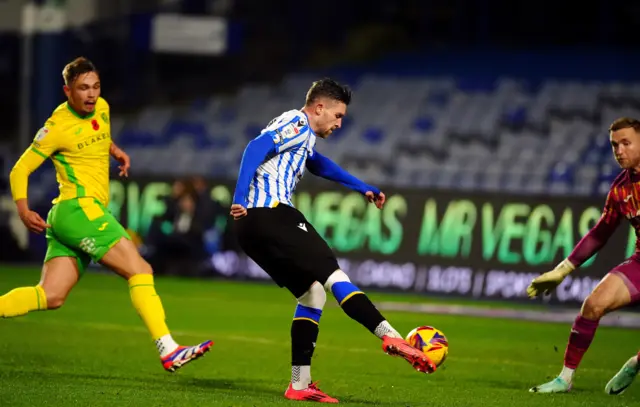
x=105 y=117
x=288 y=131
x=41 y=133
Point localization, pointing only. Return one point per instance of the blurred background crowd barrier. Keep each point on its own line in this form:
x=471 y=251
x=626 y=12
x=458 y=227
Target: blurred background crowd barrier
x=485 y=122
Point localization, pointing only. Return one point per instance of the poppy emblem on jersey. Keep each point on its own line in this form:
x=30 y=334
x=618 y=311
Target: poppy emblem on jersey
x=95 y=124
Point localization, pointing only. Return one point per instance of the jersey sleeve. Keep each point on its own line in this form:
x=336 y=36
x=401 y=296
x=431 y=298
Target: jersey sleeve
x=610 y=214
x=288 y=131
x=256 y=152
x=44 y=144
x=323 y=167
x=598 y=236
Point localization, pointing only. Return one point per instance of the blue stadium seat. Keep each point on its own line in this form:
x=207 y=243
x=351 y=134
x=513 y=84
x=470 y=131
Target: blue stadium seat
x=373 y=135
x=467 y=133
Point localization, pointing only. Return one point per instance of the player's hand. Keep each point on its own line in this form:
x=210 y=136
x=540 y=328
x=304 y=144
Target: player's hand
x=122 y=158
x=376 y=199
x=33 y=222
x=238 y=211
x=547 y=282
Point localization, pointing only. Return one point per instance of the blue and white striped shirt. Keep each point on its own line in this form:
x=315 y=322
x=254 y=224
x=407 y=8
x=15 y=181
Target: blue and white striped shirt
x=274 y=162
x=276 y=179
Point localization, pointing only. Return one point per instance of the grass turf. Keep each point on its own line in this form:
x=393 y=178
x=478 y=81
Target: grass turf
x=95 y=351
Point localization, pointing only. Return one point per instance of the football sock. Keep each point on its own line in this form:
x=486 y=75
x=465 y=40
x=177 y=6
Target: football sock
x=567 y=374
x=304 y=334
x=385 y=329
x=582 y=333
x=360 y=308
x=300 y=377
x=166 y=345
x=22 y=300
x=147 y=302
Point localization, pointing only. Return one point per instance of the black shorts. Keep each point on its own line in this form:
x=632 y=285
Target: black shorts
x=286 y=246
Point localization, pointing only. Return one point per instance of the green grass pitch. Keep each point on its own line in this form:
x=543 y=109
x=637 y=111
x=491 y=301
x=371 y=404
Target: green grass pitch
x=95 y=352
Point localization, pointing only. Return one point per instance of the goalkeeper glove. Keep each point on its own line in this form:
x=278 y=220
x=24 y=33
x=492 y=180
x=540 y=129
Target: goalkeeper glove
x=548 y=281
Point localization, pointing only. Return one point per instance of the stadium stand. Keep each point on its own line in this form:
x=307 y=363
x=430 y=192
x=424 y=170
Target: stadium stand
x=544 y=136
x=430 y=132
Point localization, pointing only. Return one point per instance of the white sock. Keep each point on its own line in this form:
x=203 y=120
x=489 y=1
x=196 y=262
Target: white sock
x=567 y=374
x=385 y=329
x=166 y=345
x=633 y=363
x=300 y=377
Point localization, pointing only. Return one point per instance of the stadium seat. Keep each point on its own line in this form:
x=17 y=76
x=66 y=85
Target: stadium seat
x=467 y=133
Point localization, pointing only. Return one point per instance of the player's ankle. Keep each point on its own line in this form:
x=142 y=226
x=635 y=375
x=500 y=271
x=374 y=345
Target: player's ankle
x=299 y=385
x=567 y=374
x=166 y=345
x=384 y=329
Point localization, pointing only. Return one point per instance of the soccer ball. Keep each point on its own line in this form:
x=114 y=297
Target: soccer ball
x=431 y=342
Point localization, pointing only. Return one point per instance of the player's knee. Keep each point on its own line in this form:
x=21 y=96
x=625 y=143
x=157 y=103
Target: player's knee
x=315 y=297
x=55 y=300
x=142 y=267
x=594 y=307
x=145 y=267
x=341 y=286
x=310 y=304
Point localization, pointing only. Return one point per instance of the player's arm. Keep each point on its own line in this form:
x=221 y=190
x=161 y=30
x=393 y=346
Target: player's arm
x=322 y=166
x=598 y=236
x=42 y=147
x=122 y=157
x=589 y=245
x=254 y=154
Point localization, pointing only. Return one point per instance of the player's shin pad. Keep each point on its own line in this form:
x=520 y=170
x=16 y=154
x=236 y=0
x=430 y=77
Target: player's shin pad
x=22 y=300
x=344 y=290
x=357 y=305
x=147 y=302
x=304 y=312
x=304 y=334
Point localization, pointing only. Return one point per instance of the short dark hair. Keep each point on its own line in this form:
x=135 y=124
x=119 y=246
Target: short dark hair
x=330 y=89
x=75 y=68
x=625 y=123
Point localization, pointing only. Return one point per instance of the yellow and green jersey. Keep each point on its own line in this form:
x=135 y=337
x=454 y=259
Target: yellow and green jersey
x=79 y=148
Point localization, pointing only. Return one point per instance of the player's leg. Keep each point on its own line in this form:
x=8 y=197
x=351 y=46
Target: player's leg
x=59 y=275
x=625 y=376
x=616 y=290
x=259 y=237
x=125 y=260
x=357 y=305
x=60 y=272
x=91 y=228
x=318 y=260
x=304 y=336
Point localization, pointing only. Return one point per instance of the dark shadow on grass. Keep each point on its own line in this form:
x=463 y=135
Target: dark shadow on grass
x=514 y=385
x=267 y=387
x=169 y=382
x=175 y=382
